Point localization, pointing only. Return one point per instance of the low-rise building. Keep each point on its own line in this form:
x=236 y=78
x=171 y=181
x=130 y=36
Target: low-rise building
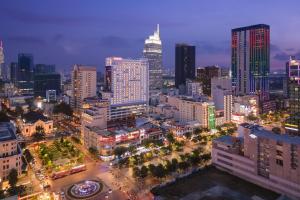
x=10 y=151
x=31 y=120
x=262 y=157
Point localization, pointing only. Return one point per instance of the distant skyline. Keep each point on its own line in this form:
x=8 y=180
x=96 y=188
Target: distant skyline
x=67 y=32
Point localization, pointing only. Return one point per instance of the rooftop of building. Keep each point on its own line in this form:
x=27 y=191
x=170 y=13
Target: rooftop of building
x=228 y=140
x=111 y=131
x=256 y=26
x=32 y=117
x=258 y=131
x=7 y=131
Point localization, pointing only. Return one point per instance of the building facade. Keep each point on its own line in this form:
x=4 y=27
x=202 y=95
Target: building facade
x=10 y=151
x=44 y=69
x=204 y=75
x=294 y=95
x=262 y=157
x=84 y=84
x=153 y=52
x=31 y=120
x=127 y=81
x=44 y=82
x=293 y=69
x=250 y=57
x=184 y=64
x=2 y=65
x=191 y=109
x=24 y=73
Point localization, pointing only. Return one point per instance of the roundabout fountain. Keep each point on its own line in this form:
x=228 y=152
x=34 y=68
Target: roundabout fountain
x=87 y=189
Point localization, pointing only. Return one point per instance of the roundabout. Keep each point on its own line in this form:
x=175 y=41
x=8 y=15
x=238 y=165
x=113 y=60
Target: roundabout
x=87 y=189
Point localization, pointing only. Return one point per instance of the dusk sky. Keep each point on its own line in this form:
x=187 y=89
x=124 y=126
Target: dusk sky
x=65 y=32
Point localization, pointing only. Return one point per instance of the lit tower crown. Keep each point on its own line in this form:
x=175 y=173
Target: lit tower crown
x=154 y=39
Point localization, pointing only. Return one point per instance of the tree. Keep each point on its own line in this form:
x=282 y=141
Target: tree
x=276 y=130
x=197 y=131
x=4 y=117
x=13 y=177
x=136 y=172
x=118 y=151
x=170 y=138
x=19 y=110
x=143 y=171
x=188 y=135
x=159 y=171
x=39 y=133
x=183 y=165
x=151 y=168
x=93 y=151
x=251 y=117
x=63 y=108
x=28 y=155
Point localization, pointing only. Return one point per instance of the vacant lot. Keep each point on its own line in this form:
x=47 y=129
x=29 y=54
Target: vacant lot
x=212 y=184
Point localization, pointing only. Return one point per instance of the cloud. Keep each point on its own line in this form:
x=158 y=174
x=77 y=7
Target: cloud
x=114 y=42
x=283 y=56
x=35 y=18
x=290 y=49
x=274 y=47
x=27 y=40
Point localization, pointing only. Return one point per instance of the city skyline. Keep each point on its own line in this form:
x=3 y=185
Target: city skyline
x=56 y=36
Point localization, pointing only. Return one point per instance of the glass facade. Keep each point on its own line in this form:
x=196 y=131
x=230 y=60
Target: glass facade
x=250 y=59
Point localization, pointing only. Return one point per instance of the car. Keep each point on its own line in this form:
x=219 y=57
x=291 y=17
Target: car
x=110 y=191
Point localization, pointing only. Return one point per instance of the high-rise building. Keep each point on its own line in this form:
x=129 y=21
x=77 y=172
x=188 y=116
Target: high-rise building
x=293 y=69
x=128 y=86
x=44 y=69
x=228 y=103
x=220 y=87
x=153 y=52
x=13 y=72
x=44 y=82
x=3 y=68
x=25 y=73
x=84 y=81
x=184 y=64
x=250 y=65
x=1 y=53
x=204 y=75
x=265 y=158
x=294 y=95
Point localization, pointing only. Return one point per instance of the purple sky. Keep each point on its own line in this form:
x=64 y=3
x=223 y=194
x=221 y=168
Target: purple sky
x=65 y=32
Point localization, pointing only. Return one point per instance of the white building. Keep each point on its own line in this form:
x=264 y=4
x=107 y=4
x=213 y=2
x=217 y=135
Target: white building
x=220 y=87
x=84 y=81
x=127 y=80
x=193 y=88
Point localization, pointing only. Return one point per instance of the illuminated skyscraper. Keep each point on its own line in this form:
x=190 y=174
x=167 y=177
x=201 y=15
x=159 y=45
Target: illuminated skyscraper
x=251 y=59
x=153 y=52
x=128 y=85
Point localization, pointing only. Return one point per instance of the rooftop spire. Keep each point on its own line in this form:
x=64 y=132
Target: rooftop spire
x=157 y=29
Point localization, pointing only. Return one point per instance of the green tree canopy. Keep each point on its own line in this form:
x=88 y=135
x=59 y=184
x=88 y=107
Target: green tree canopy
x=13 y=177
x=63 y=108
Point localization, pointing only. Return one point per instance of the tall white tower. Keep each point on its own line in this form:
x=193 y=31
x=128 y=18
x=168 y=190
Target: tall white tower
x=153 y=52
